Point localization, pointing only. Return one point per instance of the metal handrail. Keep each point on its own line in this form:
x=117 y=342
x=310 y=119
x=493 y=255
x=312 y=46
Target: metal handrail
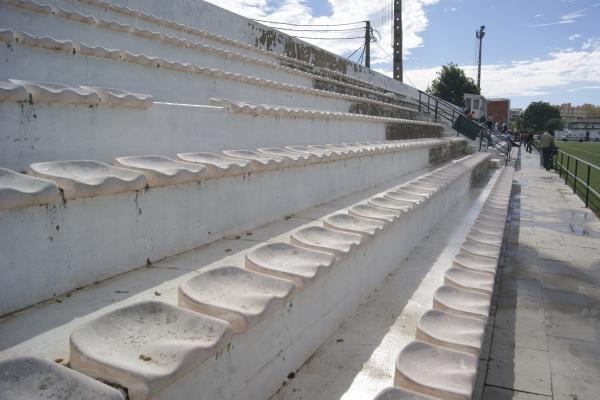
x=456 y=111
x=560 y=167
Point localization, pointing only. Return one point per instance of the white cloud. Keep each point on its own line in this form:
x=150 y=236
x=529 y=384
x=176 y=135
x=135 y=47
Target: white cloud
x=575 y=36
x=537 y=15
x=531 y=77
x=596 y=87
x=568 y=18
x=592 y=44
x=573 y=15
x=415 y=21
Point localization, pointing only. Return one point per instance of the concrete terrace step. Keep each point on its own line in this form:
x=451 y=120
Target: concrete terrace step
x=178 y=206
x=173 y=354
x=90 y=118
x=443 y=360
x=187 y=82
x=147 y=23
x=99 y=32
x=390 y=315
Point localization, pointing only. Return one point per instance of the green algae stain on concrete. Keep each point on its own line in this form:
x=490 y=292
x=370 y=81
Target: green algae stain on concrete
x=411 y=131
x=359 y=107
x=272 y=40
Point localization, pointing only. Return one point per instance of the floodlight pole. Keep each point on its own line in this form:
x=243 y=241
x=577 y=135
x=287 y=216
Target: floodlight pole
x=479 y=35
x=397 y=29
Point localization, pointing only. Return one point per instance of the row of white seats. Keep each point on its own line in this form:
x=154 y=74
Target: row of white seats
x=298 y=112
x=182 y=28
x=76 y=17
x=80 y=179
x=86 y=61
x=49 y=92
x=147 y=346
x=242 y=194
x=442 y=362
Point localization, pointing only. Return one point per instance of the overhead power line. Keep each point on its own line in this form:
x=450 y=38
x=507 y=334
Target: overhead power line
x=410 y=80
x=354 y=52
x=389 y=55
x=291 y=24
x=360 y=59
x=382 y=49
x=322 y=30
x=330 y=38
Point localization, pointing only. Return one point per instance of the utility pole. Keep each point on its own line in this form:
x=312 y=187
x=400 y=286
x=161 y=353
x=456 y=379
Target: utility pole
x=479 y=35
x=398 y=70
x=368 y=33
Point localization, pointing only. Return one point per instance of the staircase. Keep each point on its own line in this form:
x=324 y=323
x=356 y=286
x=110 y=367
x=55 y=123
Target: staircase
x=186 y=215
x=452 y=116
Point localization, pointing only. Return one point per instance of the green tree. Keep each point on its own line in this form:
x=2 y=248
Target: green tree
x=538 y=114
x=554 y=124
x=451 y=84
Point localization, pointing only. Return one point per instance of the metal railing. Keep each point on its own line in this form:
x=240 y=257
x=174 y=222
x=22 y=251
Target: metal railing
x=573 y=167
x=451 y=112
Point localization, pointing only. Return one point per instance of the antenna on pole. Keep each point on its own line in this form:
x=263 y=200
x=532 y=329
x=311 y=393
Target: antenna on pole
x=479 y=35
x=398 y=70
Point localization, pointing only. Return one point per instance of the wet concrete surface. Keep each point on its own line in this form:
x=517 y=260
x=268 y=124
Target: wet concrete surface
x=545 y=336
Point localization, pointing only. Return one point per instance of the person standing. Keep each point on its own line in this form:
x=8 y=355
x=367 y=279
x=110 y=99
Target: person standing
x=547 y=144
x=508 y=140
x=529 y=141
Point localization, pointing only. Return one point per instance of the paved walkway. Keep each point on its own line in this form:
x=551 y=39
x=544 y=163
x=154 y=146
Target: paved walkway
x=545 y=336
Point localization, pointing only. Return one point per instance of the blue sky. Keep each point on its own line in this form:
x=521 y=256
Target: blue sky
x=533 y=50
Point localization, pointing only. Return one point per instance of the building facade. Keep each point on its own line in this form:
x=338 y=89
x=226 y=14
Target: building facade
x=515 y=114
x=477 y=104
x=499 y=110
x=584 y=111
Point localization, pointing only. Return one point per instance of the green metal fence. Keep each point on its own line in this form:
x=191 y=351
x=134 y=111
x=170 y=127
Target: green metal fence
x=582 y=176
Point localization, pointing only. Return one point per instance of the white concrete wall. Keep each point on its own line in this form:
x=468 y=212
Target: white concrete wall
x=49 y=250
x=52 y=132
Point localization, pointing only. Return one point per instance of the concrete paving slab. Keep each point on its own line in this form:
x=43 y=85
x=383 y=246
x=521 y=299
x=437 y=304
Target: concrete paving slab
x=496 y=393
x=575 y=358
x=519 y=368
x=570 y=388
x=523 y=328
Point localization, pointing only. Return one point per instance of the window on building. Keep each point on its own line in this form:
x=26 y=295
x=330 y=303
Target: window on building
x=475 y=104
